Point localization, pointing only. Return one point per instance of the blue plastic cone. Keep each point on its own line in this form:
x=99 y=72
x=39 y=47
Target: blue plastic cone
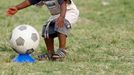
x=23 y=58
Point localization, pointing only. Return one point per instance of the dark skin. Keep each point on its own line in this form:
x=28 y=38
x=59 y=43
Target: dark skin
x=59 y=23
x=62 y=38
x=14 y=9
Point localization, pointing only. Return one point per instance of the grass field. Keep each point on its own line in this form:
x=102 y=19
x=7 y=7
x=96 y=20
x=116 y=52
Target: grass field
x=100 y=43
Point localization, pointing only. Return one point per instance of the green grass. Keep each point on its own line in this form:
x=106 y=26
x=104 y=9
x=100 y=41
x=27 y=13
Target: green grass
x=100 y=43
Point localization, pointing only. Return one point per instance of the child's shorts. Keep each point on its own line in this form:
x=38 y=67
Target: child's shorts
x=52 y=29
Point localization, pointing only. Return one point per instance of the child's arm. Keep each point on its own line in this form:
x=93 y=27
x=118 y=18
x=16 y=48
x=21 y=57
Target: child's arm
x=60 y=20
x=12 y=10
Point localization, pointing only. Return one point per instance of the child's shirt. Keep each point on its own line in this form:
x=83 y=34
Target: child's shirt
x=54 y=8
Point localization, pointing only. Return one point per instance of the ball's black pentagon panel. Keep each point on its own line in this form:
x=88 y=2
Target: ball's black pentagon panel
x=20 y=41
x=34 y=37
x=22 y=28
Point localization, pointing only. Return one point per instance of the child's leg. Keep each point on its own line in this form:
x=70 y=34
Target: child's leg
x=50 y=48
x=61 y=52
x=62 y=40
x=49 y=44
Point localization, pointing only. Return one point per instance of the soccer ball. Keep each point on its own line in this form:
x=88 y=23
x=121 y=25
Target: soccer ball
x=24 y=39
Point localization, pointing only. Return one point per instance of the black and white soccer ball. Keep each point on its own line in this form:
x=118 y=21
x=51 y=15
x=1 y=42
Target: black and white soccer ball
x=24 y=39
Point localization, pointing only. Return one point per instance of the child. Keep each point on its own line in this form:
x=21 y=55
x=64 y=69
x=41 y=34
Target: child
x=64 y=13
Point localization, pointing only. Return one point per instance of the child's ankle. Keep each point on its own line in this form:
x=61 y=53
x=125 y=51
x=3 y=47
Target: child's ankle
x=51 y=52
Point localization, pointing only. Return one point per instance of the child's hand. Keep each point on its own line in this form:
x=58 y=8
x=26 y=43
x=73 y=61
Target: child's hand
x=11 y=11
x=60 y=22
